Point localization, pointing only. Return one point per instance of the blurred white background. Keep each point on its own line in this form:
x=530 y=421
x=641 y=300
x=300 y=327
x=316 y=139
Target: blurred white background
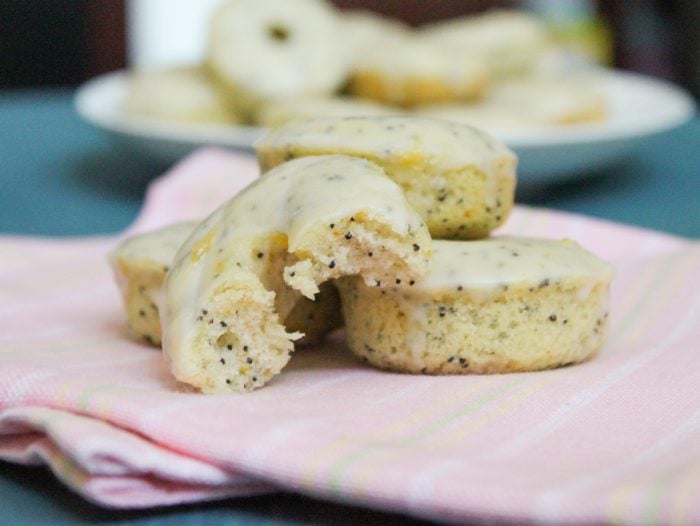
x=66 y=42
x=167 y=32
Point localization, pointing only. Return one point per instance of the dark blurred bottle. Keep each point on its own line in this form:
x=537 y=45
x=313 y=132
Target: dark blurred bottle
x=659 y=37
x=645 y=37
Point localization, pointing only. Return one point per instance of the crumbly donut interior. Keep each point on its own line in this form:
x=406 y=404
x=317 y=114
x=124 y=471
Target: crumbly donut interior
x=359 y=244
x=239 y=340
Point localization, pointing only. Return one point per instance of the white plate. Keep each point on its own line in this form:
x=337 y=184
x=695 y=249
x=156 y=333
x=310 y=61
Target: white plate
x=639 y=106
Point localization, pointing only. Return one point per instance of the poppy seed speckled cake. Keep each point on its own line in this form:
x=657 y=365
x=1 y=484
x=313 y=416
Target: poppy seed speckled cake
x=498 y=305
x=459 y=179
x=141 y=262
x=308 y=221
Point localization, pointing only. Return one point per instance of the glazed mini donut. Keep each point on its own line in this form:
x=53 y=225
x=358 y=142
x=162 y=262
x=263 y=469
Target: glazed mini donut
x=307 y=221
x=367 y=31
x=267 y=49
x=550 y=100
x=509 y=42
x=530 y=103
x=140 y=263
x=485 y=116
x=181 y=94
x=408 y=71
x=459 y=179
x=498 y=305
x=276 y=113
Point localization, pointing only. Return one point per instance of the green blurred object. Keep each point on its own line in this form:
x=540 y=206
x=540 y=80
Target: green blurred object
x=577 y=26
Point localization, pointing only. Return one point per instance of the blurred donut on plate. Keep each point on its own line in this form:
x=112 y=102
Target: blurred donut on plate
x=406 y=71
x=183 y=94
x=267 y=49
x=510 y=42
x=278 y=112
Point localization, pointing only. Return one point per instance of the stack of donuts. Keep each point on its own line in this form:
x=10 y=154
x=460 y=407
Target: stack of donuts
x=380 y=224
x=272 y=61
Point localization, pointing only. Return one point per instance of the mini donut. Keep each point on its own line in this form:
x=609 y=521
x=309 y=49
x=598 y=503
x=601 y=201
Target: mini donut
x=366 y=31
x=408 y=71
x=509 y=42
x=483 y=115
x=267 y=49
x=493 y=306
x=305 y=222
x=459 y=179
x=141 y=262
x=527 y=104
x=550 y=100
x=276 y=113
x=182 y=94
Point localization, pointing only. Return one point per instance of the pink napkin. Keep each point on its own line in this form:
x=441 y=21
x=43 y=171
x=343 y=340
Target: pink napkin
x=616 y=439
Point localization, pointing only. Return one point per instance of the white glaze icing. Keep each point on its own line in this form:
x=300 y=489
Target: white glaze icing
x=482 y=114
x=366 y=31
x=497 y=35
x=275 y=49
x=550 y=99
x=405 y=57
x=492 y=30
x=159 y=246
x=180 y=94
x=482 y=268
x=288 y=200
x=280 y=111
x=447 y=145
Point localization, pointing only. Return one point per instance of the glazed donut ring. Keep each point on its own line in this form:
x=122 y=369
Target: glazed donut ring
x=276 y=113
x=482 y=115
x=366 y=31
x=491 y=306
x=550 y=100
x=459 y=179
x=181 y=94
x=141 y=262
x=509 y=42
x=529 y=103
x=305 y=222
x=267 y=49
x=409 y=71
x=139 y=265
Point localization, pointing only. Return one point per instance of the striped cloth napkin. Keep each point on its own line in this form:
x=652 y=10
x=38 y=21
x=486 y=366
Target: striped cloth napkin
x=616 y=439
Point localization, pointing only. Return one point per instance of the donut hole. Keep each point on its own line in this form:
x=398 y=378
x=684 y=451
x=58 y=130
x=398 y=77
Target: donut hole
x=278 y=33
x=229 y=341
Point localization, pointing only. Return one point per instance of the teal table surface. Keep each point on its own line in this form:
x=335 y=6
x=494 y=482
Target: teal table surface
x=61 y=177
